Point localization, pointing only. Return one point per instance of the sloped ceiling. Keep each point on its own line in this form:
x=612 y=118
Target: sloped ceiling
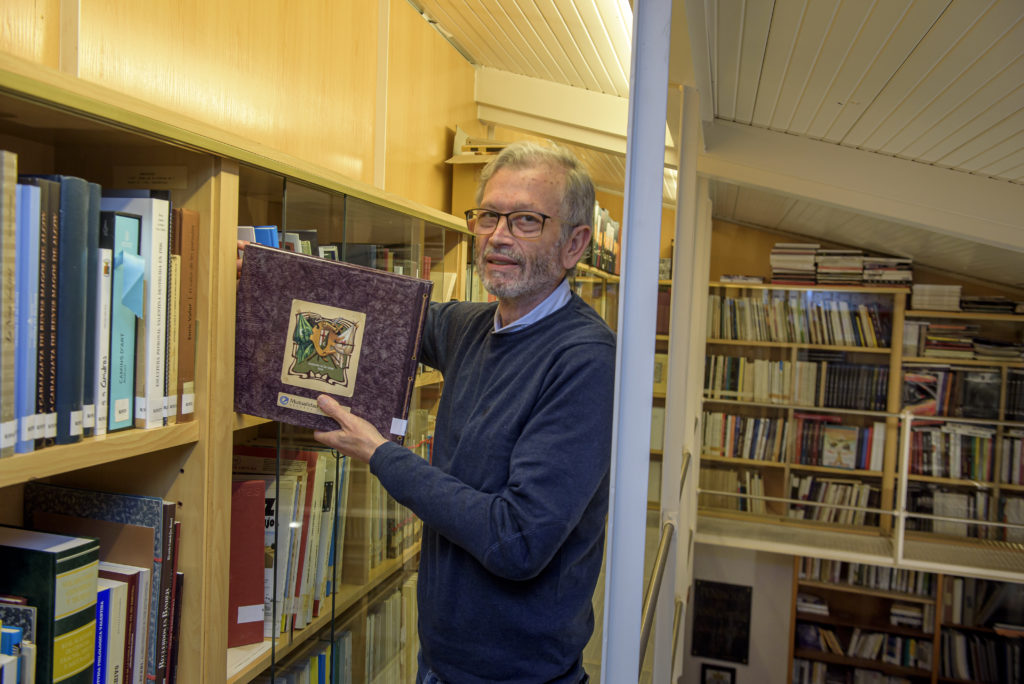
x=891 y=125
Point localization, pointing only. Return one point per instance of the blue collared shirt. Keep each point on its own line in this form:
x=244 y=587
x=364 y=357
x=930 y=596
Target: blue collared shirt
x=552 y=303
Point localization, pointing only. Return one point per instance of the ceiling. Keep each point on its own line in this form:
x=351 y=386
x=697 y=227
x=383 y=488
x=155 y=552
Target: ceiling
x=896 y=126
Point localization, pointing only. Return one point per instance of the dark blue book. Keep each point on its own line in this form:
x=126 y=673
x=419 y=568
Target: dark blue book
x=92 y=254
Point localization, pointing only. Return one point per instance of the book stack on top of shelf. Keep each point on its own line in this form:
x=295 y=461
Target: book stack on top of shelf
x=793 y=263
x=935 y=297
x=839 y=267
x=990 y=304
x=888 y=271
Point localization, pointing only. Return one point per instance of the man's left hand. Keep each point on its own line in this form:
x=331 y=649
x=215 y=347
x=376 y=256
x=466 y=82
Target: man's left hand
x=354 y=437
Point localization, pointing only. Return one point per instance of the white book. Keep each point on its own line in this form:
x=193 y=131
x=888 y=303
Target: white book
x=152 y=342
x=137 y=675
x=104 y=283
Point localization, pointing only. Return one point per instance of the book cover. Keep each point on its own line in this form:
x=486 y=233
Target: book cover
x=101 y=345
x=120 y=233
x=151 y=341
x=172 y=666
x=130 y=509
x=136 y=579
x=92 y=256
x=27 y=331
x=46 y=345
x=8 y=302
x=22 y=616
x=186 y=245
x=102 y=670
x=839 y=446
x=57 y=575
x=245 y=584
x=306 y=326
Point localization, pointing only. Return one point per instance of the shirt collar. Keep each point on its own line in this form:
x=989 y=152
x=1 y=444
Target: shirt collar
x=552 y=303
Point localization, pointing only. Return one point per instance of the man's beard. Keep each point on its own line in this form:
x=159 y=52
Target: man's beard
x=537 y=272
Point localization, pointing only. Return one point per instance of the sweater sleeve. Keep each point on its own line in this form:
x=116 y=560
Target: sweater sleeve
x=557 y=466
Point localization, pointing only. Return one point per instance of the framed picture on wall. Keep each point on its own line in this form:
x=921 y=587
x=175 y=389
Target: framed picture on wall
x=717 y=674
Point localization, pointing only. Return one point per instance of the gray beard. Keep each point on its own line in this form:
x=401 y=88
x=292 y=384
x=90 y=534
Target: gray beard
x=537 y=273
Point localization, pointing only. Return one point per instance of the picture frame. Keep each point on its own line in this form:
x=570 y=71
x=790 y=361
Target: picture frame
x=717 y=674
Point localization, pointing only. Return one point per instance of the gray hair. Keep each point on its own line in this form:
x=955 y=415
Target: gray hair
x=578 y=201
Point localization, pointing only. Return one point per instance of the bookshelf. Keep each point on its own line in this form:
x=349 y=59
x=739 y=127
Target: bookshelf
x=927 y=627
x=60 y=124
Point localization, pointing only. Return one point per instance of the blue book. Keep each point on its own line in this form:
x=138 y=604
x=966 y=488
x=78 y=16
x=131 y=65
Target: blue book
x=10 y=644
x=267 y=235
x=119 y=232
x=99 y=670
x=91 y=283
x=8 y=299
x=27 y=323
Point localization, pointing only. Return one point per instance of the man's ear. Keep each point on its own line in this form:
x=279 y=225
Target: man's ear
x=574 y=247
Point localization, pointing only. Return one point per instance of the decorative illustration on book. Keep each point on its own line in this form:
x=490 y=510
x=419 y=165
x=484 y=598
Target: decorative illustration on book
x=839 y=447
x=325 y=348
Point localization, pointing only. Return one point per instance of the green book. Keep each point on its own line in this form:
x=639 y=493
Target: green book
x=56 y=574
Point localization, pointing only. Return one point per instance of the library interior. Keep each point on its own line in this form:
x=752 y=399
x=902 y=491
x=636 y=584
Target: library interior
x=807 y=239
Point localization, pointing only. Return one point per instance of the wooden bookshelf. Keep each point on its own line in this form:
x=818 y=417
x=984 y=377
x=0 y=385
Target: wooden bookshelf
x=57 y=123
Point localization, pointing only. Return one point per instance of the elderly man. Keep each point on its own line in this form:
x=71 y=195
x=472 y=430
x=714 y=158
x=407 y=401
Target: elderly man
x=515 y=500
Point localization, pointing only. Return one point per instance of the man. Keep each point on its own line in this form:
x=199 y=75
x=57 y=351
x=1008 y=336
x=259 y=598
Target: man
x=515 y=501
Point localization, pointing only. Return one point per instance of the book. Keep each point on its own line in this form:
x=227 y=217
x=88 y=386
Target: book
x=245 y=560
x=307 y=326
x=8 y=298
x=92 y=257
x=172 y=665
x=134 y=510
x=27 y=323
x=101 y=302
x=173 y=309
x=120 y=233
x=151 y=342
x=186 y=245
x=839 y=446
x=332 y=529
x=111 y=620
x=57 y=574
x=20 y=615
x=46 y=346
x=137 y=579
x=267 y=235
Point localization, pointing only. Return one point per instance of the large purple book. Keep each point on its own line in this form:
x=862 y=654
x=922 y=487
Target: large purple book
x=307 y=326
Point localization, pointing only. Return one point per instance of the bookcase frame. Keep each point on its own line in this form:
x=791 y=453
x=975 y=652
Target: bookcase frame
x=60 y=124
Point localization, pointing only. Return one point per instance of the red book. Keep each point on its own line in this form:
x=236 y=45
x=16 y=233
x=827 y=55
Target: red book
x=245 y=588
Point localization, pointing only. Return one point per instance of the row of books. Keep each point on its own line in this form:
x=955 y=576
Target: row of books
x=728 y=435
x=935 y=500
x=808 y=263
x=1011 y=457
x=325 y=661
x=774 y=316
x=98 y=298
x=728 y=489
x=959 y=392
x=822 y=440
x=606 y=242
x=930 y=339
x=920 y=616
x=973 y=657
x=95 y=580
x=929 y=297
x=954 y=450
x=834 y=492
x=817 y=672
x=902 y=580
x=888 y=648
x=283 y=511
x=976 y=602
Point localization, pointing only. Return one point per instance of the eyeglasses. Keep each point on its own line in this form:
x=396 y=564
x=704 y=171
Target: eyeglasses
x=521 y=224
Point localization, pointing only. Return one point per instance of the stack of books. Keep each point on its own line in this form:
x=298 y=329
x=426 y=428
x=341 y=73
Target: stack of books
x=839 y=266
x=809 y=603
x=935 y=297
x=793 y=263
x=949 y=340
x=886 y=270
x=990 y=304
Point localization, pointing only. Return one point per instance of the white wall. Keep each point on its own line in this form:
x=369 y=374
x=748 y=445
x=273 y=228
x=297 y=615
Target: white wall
x=771 y=577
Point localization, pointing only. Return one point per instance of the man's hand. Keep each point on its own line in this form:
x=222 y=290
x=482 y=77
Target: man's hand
x=240 y=247
x=354 y=437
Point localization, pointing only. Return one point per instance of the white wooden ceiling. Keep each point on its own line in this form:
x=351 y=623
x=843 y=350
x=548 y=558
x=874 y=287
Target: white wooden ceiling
x=926 y=92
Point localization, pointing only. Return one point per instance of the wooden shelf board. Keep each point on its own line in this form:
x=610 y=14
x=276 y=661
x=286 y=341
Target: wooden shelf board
x=799 y=345
x=93 y=451
x=945 y=361
x=969 y=315
x=745 y=462
x=430 y=377
x=866 y=289
x=847 y=621
x=888 y=668
x=855 y=589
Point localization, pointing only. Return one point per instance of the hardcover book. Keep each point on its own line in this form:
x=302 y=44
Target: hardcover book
x=8 y=304
x=186 y=245
x=57 y=575
x=120 y=234
x=92 y=236
x=137 y=579
x=307 y=326
x=27 y=285
x=245 y=586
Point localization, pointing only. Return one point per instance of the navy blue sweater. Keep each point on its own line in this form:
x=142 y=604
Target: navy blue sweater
x=515 y=504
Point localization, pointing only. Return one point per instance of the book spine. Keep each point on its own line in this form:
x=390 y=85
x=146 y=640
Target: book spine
x=121 y=232
x=28 y=310
x=102 y=636
x=90 y=370
x=131 y=620
x=101 y=379
x=46 y=348
x=173 y=307
x=8 y=303
x=188 y=249
x=151 y=347
x=71 y=306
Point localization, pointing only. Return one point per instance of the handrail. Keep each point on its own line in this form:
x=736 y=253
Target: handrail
x=653 y=589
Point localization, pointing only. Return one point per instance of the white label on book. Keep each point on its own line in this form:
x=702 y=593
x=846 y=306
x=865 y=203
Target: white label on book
x=8 y=433
x=75 y=426
x=49 y=425
x=253 y=613
x=122 y=409
x=89 y=415
x=140 y=408
x=171 y=405
x=398 y=426
x=151 y=176
x=297 y=403
x=188 y=403
x=31 y=427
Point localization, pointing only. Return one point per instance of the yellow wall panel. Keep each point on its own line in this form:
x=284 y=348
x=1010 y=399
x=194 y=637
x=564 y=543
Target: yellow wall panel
x=31 y=30
x=296 y=76
x=430 y=89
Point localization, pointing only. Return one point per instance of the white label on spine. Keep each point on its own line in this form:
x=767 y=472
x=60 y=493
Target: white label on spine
x=253 y=613
x=76 y=423
x=398 y=426
x=140 y=408
x=89 y=415
x=188 y=403
x=50 y=425
x=8 y=433
x=122 y=409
